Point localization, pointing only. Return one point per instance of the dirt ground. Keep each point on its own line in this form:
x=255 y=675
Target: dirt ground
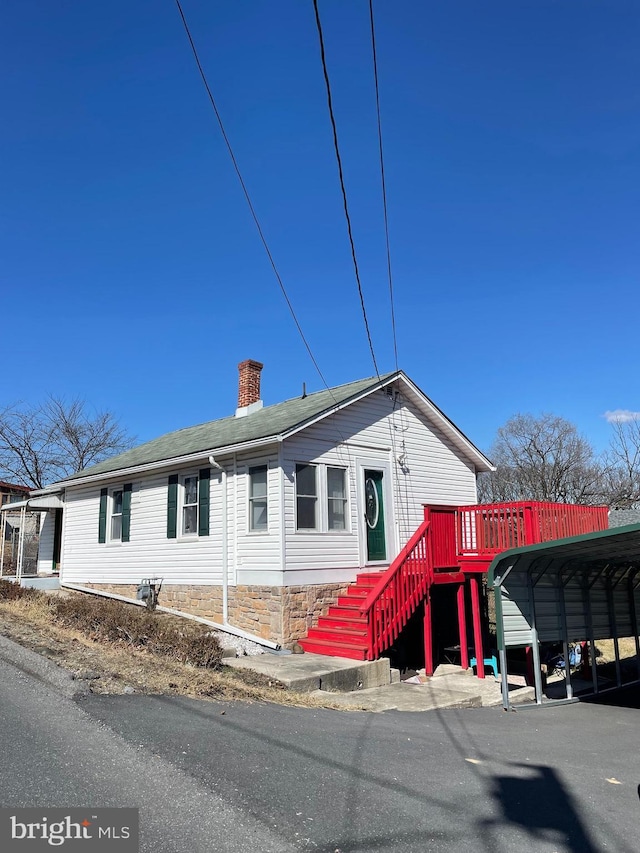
x=118 y=668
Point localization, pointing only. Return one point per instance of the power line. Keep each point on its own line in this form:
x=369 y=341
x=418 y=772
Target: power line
x=384 y=185
x=248 y=197
x=342 y=185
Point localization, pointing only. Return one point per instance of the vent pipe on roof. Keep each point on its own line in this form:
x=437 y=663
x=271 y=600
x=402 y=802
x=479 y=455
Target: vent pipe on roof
x=249 y=387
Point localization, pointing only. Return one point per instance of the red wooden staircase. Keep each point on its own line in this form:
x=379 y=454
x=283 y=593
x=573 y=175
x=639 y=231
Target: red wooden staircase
x=452 y=545
x=344 y=631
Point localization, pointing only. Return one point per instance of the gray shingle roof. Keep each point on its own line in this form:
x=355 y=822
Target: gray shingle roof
x=264 y=423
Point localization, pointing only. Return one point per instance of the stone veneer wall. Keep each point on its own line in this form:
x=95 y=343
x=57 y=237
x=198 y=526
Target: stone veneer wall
x=283 y=614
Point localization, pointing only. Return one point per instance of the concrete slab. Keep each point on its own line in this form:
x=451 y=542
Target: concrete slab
x=367 y=685
x=404 y=697
x=309 y=672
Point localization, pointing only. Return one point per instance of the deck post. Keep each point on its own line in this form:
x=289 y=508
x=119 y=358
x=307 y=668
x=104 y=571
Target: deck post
x=428 y=636
x=477 y=626
x=462 y=628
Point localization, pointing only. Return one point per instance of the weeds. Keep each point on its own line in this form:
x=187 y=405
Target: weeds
x=116 y=622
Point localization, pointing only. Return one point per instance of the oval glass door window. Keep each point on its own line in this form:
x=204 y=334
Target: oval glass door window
x=372 y=506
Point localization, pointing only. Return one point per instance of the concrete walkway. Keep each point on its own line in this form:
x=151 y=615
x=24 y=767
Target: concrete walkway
x=374 y=686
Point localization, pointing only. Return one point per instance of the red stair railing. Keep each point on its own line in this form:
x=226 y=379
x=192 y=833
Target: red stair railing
x=399 y=591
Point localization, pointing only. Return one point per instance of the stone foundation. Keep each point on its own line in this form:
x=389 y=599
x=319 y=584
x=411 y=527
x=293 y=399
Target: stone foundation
x=282 y=614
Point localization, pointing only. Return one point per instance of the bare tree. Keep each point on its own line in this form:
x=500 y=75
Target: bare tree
x=622 y=464
x=542 y=458
x=44 y=443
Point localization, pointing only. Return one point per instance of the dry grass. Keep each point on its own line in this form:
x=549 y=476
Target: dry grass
x=606 y=652
x=30 y=620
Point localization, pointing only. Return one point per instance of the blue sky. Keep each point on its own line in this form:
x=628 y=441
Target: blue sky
x=131 y=272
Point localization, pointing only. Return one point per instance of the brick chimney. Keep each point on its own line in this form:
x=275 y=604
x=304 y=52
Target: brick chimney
x=248 y=387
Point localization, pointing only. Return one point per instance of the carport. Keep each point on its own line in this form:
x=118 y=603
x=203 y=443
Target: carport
x=585 y=588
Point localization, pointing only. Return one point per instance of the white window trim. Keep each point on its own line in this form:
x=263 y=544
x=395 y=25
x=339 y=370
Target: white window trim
x=322 y=500
x=259 y=463
x=181 y=504
x=347 y=505
x=319 y=512
x=111 y=515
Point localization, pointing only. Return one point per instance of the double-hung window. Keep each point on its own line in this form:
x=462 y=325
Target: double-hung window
x=321 y=498
x=306 y=497
x=188 y=504
x=258 y=499
x=116 y=515
x=336 y=499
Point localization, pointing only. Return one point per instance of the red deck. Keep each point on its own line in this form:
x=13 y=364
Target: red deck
x=452 y=545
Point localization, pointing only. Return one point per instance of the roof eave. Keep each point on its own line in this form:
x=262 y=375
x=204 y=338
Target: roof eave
x=172 y=462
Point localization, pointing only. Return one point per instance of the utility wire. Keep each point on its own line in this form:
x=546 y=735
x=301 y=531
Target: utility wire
x=384 y=185
x=248 y=198
x=342 y=185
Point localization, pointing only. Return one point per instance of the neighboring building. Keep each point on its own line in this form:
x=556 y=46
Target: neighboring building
x=11 y=493
x=265 y=518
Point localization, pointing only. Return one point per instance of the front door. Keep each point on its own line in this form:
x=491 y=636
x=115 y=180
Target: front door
x=374 y=515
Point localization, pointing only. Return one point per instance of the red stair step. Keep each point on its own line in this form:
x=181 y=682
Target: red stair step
x=337 y=635
x=346 y=622
x=336 y=611
x=354 y=651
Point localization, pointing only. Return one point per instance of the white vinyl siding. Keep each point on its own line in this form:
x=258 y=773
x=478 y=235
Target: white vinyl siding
x=149 y=553
x=258 y=553
x=375 y=434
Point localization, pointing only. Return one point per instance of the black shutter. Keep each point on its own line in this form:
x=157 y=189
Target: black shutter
x=172 y=507
x=204 y=482
x=126 y=511
x=102 y=517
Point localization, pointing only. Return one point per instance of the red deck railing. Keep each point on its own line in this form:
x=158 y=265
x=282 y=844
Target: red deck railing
x=488 y=529
x=398 y=592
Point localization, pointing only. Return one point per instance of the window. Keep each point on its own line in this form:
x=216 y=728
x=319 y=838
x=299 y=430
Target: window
x=258 y=520
x=321 y=498
x=306 y=497
x=336 y=499
x=116 y=515
x=190 y=506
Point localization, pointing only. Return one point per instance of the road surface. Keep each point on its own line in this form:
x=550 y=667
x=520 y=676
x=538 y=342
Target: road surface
x=232 y=777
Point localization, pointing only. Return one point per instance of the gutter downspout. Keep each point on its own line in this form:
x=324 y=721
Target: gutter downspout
x=225 y=550
x=227 y=629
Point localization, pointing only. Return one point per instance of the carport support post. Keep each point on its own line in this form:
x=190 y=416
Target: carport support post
x=535 y=646
x=477 y=626
x=614 y=628
x=634 y=618
x=428 y=636
x=565 y=639
x=23 y=518
x=462 y=628
x=3 y=528
x=586 y=603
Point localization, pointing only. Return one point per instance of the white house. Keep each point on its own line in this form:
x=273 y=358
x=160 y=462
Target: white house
x=262 y=519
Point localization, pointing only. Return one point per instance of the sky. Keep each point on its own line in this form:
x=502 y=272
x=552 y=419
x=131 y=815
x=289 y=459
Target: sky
x=131 y=272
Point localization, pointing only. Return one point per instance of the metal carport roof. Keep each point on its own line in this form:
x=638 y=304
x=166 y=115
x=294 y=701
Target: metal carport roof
x=583 y=588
